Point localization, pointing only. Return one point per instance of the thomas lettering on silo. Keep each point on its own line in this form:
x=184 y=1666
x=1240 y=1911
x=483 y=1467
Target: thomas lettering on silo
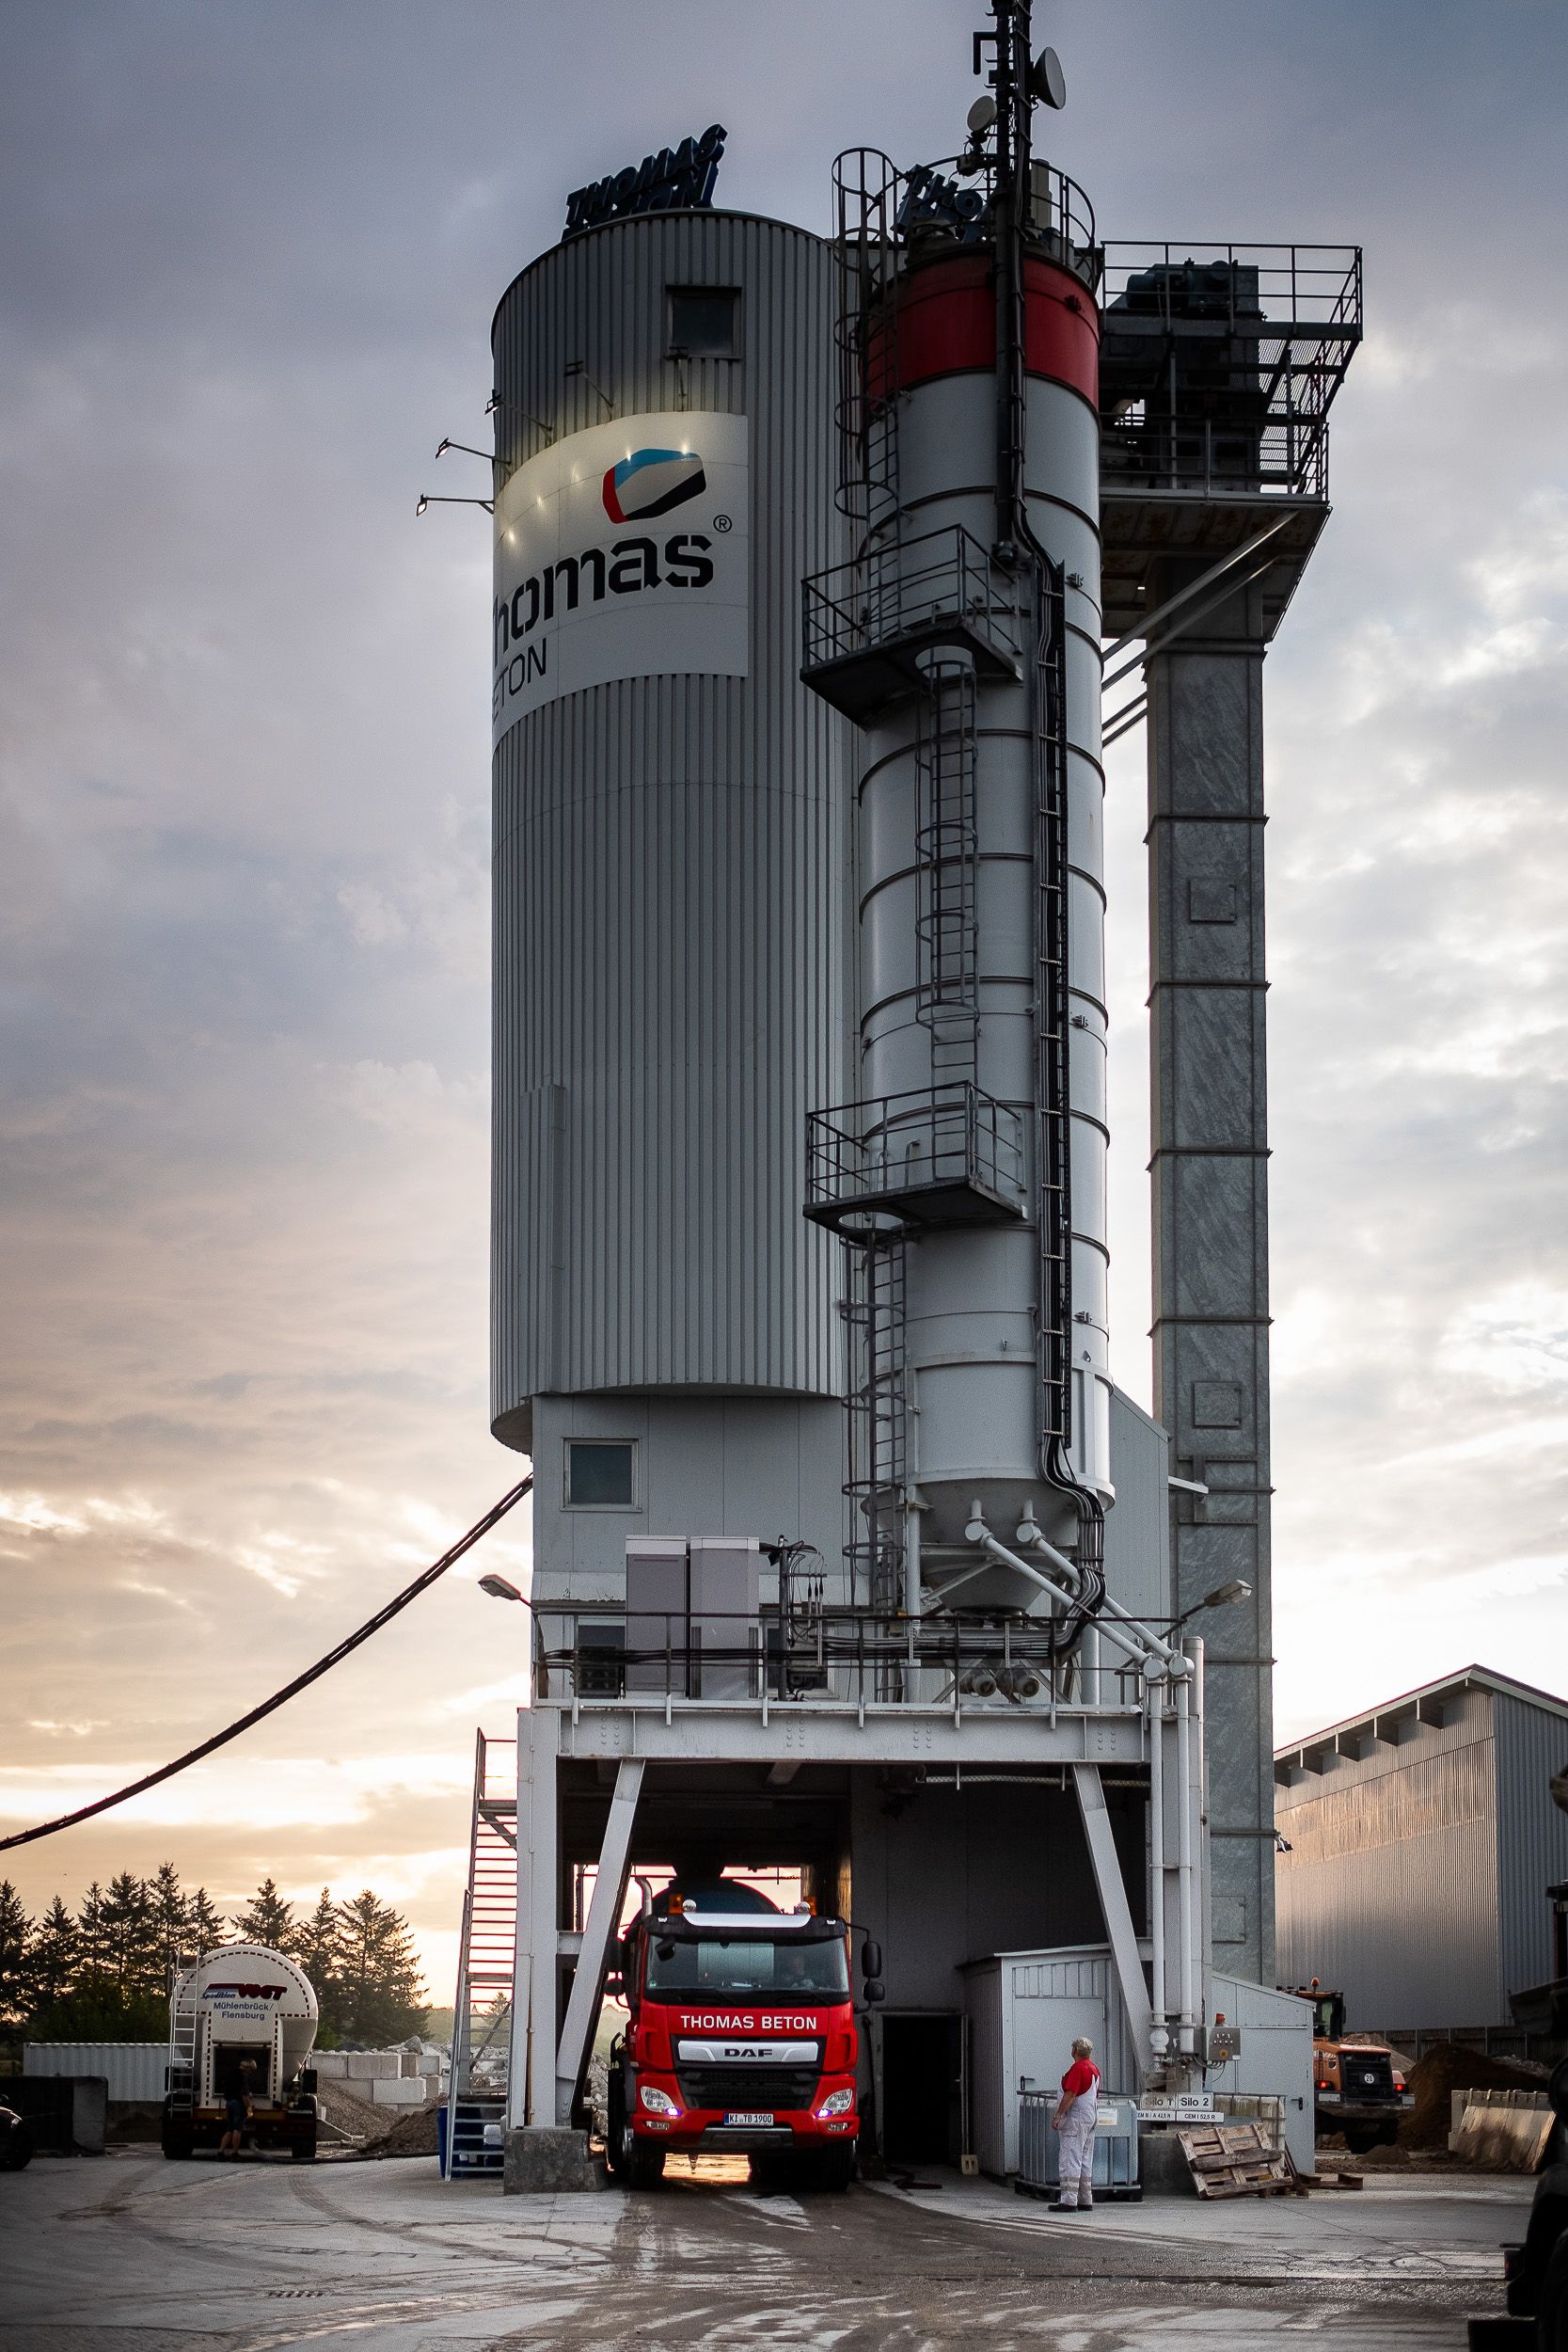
x=587 y=590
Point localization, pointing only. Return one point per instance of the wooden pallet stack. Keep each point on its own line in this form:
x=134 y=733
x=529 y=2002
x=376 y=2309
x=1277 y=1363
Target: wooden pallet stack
x=1235 y=2160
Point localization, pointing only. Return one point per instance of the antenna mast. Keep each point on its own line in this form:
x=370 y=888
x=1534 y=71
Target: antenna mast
x=1009 y=215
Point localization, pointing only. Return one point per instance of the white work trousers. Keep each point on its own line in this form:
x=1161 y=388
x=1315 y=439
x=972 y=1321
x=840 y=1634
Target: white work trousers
x=1075 y=2164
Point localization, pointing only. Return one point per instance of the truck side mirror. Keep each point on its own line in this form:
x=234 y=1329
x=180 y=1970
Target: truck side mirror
x=871 y=1958
x=874 y=1990
x=613 y=1985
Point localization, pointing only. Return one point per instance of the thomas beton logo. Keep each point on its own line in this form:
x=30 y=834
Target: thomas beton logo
x=650 y=481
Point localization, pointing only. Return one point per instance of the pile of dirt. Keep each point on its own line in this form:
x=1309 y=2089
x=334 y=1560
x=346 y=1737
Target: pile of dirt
x=414 y=2134
x=347 y=2122
x=1447 y=2067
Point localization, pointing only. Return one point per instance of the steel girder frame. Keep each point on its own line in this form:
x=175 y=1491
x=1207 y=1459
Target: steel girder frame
x=549 y=2051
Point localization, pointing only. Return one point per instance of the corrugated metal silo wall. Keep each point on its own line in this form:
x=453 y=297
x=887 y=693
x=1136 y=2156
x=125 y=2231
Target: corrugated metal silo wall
x=1389 y=1892
x=1532 y=1835
x=671 y=883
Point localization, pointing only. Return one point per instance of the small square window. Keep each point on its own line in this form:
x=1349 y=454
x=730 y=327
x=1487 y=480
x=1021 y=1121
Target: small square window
x=600 y=1477
x=704 y=322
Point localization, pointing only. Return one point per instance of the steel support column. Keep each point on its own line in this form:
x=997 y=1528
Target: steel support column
x=1211 y=1207
x=604 y=1917
x=1120 y=1933
x=530 y=2078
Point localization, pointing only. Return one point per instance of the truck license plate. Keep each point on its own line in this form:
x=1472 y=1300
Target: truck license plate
x=748 y=2118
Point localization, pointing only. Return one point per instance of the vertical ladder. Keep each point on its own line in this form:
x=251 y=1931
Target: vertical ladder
x=482 y=2023
x=865 y=339
x=1052 y=1020
x=878 y=1422
x=182 y=2030
x=946 y=854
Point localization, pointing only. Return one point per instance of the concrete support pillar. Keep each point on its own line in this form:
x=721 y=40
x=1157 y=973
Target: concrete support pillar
x=1211 y=1209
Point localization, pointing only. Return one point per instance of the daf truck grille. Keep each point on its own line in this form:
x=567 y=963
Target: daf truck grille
x=750 y=2089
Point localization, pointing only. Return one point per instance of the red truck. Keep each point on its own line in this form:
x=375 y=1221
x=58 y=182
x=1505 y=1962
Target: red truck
x=741 y=2038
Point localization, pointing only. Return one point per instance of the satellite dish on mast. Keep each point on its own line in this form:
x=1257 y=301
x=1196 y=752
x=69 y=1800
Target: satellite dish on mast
x=981 y=115
x=1046 y=80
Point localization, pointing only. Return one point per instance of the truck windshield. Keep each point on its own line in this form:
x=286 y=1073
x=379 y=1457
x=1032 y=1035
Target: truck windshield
x=748 y=1965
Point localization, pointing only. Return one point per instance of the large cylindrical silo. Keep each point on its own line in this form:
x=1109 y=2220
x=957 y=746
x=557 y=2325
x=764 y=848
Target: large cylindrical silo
x=671 y=816
x=955 y=1057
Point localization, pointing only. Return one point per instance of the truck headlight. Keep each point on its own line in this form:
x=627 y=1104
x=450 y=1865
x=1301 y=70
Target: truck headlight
x=836 y=2103
x=657 y=2102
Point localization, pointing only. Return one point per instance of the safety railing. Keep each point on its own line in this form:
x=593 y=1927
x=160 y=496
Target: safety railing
x=942 y=579
x=953 y=202
x=1219 y=363
x=597 y=1654
x=916 y=1156
x=1271 y=456
x=1301 y=286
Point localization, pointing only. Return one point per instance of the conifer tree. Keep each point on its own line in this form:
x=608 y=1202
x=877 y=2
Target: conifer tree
x=52 y=1959
x=381 y=1991
x=318 y=1949
x=116 y=1992
x=171 y=1921
x=15 y=1930
x=205 y=1924
x=128 y=1938
x=267 y=1920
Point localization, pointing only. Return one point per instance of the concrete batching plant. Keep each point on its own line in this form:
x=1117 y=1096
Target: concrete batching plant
x=850 y=1558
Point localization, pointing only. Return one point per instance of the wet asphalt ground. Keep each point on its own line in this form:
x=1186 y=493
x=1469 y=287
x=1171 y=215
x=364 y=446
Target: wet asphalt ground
x=129 y=2254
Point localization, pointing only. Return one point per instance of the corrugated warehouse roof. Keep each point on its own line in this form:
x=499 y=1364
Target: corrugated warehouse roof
x=1429 y=1695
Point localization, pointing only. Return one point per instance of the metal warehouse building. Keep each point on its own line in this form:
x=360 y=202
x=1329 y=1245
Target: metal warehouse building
x=1421 y=1842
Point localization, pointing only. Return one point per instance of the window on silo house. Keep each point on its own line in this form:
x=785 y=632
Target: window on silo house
x=601 y=1475
x=704 y=322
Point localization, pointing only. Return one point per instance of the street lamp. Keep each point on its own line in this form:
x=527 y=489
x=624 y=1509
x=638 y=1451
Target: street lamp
x=511 y=409
x=499 y=1589
x=469 y=451
x=1221 y=1597
x=428 y=497
x=579 y=367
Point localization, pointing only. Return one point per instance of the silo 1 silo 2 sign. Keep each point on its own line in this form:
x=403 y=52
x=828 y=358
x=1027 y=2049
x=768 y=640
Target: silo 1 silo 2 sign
x=622 y=552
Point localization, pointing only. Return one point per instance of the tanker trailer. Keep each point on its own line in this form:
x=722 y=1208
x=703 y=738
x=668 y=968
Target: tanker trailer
x=236 y=2002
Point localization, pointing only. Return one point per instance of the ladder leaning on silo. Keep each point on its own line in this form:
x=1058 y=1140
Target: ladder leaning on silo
x=486 y=1962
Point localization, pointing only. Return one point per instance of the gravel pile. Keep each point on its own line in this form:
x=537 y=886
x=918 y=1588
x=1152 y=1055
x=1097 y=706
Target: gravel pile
x=347 y=2119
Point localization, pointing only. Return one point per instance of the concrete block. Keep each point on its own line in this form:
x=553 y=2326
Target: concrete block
x=330 y=2065
x=375 y=2066
x=544 y=2159
x=396 y=2092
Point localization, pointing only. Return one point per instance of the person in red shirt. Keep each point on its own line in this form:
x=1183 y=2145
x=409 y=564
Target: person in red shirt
x=1074 y=2119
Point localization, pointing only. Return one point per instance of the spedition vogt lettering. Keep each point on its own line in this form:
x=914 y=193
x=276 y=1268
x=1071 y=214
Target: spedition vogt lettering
x=584 y=597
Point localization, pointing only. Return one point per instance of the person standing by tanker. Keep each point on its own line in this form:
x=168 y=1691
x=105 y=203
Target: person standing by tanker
x=1074 y=2119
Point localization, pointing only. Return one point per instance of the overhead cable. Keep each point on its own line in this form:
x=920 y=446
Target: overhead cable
x=291 y=1689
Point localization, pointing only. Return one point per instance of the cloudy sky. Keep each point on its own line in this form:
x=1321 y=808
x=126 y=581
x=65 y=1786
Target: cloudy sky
x=252 y=250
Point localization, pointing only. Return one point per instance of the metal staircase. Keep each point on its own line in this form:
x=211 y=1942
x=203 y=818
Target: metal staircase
x=486 y=1962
